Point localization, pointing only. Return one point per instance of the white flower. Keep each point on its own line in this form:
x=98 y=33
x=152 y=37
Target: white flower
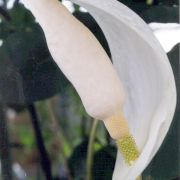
x=141 y=63
x=147 y=76
x=168 y=34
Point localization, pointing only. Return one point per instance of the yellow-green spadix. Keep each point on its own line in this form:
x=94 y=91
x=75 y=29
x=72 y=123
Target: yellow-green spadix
x=142 y=90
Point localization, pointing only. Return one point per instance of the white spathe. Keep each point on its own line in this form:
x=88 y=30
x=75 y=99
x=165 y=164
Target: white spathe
x=144 y=69
x=168 y=34
x=68 y=5
x=146 y=74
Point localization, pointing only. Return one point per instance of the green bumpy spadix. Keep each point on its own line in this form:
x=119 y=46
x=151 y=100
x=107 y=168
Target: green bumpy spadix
x=128 y=148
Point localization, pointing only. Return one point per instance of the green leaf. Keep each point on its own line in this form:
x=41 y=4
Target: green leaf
x=26 y=137
x=21 y=20
x=27 y=71
x=161 y=14
x=104 y=161
x=20 y=17
x=137 y=6
x=169 y=2
x=77 y=161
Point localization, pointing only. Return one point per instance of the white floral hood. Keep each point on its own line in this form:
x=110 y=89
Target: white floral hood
x=147 y=76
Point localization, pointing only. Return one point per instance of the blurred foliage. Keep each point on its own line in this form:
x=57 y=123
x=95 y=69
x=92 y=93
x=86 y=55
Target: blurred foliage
x=104 y=163
x=77 y=161
x=29 y=74
x=161 y=13
x=27 y=71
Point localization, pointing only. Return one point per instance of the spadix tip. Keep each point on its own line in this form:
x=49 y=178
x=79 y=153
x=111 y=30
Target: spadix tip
x=128 y=148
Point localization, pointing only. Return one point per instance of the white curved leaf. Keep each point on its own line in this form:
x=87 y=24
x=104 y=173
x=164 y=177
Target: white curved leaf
x=147 y=76
x=168 y=34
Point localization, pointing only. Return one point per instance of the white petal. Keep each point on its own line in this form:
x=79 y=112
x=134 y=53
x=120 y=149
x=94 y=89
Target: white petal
x=168 y=34
x=68 y=5
x=147 y=76
x=10 y=4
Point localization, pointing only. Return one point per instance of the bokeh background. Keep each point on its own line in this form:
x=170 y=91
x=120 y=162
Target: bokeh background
x=45 y=132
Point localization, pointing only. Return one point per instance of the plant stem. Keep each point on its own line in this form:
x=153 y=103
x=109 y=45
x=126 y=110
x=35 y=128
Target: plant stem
x=44 y=157
x=83 y=127
x=90 y=151
x=6 y=161
x=57 y=130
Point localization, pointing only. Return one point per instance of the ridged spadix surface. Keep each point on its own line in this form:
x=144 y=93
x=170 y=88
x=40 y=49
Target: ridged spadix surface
x=144 y=69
